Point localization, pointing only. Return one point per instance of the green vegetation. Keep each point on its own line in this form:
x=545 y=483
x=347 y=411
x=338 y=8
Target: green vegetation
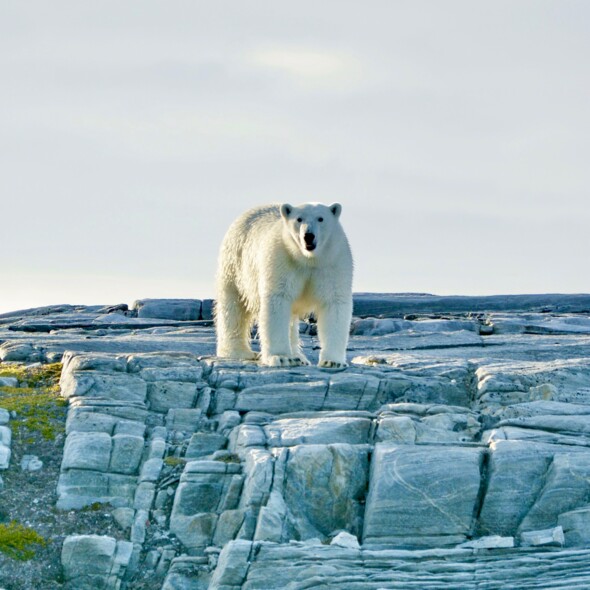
x=38 y=406
x=174 y=461
x=17 y=540
x=95 y=507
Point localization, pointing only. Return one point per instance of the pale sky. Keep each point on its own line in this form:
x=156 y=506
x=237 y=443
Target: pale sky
x=455 y=134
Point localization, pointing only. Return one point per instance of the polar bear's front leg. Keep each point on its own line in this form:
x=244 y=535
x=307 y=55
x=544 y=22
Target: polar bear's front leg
x=295 y=341
x=274 y=329
x=333 y=331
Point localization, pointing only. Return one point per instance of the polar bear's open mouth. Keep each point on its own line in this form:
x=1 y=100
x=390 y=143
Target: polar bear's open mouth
x=310 y=247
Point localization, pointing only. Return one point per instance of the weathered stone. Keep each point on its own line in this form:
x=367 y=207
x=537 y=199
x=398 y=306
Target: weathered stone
x=228 y=525
x=344 y=539
x=124 y=517
x=188 y=372
x=165 y=395
x=421 y=496
x=126 y=454
x=204 y=443
x=335 y=501
x=111 y=386
x=206 y=489
x=31 y=463
x=4 y=416
x=5 y=454
x=16 y=351
x=91 y=561
x=79 y=488
x=144 y=496
x=490 y=542
x=188 y=573
x=576 y=527
x=530 y=484
x=168 y=309
x=283 y=398
x=150 y=470
x=184 y=420
x=415 y=423
x=232 y=566
x=87 y=450
x=5 y=436
x=79 y=361
x=553 y=536
x=246 y=435
x=323 y=429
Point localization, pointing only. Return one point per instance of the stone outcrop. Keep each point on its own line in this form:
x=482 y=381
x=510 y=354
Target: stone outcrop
x=454 y=452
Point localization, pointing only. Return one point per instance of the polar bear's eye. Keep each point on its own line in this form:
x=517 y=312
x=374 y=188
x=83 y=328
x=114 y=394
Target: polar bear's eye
x=299 y=219
x=320 y=219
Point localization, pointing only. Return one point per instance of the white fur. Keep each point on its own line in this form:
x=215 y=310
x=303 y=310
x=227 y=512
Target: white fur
x=268 y=275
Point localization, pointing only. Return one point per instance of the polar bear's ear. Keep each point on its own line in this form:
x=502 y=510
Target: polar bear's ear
x=286 y=210
x=336 y=209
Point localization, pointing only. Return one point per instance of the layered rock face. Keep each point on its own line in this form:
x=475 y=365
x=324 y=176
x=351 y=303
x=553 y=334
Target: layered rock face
x=452 y=453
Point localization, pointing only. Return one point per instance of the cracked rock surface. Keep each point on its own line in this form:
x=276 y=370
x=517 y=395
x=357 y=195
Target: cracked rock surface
x=453 y=452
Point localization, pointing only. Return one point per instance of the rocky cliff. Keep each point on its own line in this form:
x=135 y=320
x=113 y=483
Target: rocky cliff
x=453 y=453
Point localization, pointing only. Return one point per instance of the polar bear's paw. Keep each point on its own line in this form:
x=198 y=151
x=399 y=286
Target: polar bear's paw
x=303 y=360
x=325 y=364
x=277 y=360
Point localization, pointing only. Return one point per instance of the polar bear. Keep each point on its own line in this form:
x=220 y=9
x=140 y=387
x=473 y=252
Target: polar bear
x=277 y=264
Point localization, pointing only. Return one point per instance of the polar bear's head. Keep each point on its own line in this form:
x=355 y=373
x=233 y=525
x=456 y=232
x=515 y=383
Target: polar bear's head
x=310 y=225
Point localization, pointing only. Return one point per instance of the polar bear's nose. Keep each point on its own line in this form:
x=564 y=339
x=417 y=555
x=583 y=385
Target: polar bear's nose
x=309 y=239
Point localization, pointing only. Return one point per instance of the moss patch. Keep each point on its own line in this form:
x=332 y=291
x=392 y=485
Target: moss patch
x=17 y=541
x=174 y=461
x=38 y=406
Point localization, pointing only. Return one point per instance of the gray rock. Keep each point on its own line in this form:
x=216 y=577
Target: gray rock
x=5 y=454
x=184 y=420
x=524 y=490
x=127 y=451
x=490 y=542
x=566 y=487
x=124 y=517
x=421 y=496
x=204 y=443
x=5 y=436
x=232 y=566
x=168 y=309
x=110 y=386
x=283 y=398
x=344 y=539
x=150 y=470
x=87 y=450
x=144 y=495
x=188 y=573
x=21 y=352
x=335 y=501
x=416 y=423
x=323 y=429
x=31 y=463
x=92 y=561
x=4 y=416
x=79 y=361
x=206 y=489
x=576 y=527
x=165 y=395
x=8 y=382
x=79 y=488
x=553 y=536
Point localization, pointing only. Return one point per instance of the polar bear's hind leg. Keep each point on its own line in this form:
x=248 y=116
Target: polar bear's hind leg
x=234 y=323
